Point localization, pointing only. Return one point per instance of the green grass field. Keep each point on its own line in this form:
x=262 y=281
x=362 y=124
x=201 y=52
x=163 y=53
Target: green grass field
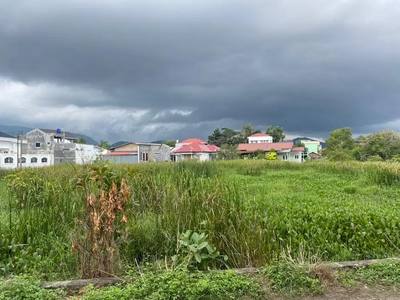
x=254 y=212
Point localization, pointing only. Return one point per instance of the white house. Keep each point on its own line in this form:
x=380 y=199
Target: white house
x=194 y=149
x=260 y=138
x=8 y=151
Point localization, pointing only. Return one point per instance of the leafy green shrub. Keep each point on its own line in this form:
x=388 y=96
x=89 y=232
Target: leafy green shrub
x=26 y=288
x=375 y=158
x=197 y=251
x=181 y=285
x=290 y=278
x=387 y=273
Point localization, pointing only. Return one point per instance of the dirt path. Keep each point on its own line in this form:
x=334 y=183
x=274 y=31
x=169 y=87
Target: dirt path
x=363 y=293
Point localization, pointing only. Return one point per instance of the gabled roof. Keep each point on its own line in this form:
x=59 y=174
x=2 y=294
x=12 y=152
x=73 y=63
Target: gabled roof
x=190 y=141
x=250 y=148
x=5 y=135
x=196 y=148
x=259 y=135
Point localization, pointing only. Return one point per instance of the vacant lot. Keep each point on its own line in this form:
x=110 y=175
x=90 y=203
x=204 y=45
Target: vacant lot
x=254 y=212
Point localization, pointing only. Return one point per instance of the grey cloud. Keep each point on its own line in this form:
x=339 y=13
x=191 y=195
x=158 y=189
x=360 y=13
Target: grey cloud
x=308 y=66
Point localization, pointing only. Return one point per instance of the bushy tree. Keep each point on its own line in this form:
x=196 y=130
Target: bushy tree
x=228 y=152
x=340 y=144
x=276 y=132
x=340 y=139
x=271 y=155
x=224 y=136
x=385 y=144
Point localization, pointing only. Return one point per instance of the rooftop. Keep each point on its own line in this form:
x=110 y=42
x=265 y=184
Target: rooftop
x=190 y=141
x=250 y=148
x=196 y=148
x=259 y=135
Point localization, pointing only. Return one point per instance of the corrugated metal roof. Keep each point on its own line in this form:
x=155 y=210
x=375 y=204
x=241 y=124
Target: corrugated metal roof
x=120 y=153
x=249 y=148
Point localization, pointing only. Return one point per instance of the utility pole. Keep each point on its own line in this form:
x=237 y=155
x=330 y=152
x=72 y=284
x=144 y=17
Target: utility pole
x=18 y=150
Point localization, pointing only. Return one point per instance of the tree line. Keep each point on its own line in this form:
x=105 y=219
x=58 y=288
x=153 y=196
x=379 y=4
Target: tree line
x=380 y=146
x=228 y=136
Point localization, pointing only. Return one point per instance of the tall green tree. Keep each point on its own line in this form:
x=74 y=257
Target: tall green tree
x=105 y=144
x=247 y=130
x=224 y=136
x=276 y=132
x=340 y=139
x=340 y=144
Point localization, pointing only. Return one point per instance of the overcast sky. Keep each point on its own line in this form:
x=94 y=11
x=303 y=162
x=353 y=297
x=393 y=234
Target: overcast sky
x=157 y=69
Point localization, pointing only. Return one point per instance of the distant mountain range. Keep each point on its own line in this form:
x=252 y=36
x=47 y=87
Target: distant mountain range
x=13 y=130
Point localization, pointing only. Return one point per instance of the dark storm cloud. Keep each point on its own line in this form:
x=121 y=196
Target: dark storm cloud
x=309 y=66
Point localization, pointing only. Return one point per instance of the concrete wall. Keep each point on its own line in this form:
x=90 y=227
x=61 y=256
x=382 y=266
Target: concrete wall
x=36 y=136
x=28 y=161
x=260 y=139
x=160 y=153
x=290 y=156
x=8 y=145
x=64 y=153
x=128 y=147
x=156 y=152
x=4 y=165
x=195 y=156
x=85 y=154
x=130 y=159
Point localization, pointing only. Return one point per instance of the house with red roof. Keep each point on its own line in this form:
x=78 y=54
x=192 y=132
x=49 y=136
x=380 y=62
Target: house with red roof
x=194 y=149
x=263 y=142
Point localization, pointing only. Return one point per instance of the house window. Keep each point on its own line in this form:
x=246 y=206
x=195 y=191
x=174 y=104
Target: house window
x=37 y=145
x=44 y=160
x=22 y=160
x=33 y=160
x=296 y=157
x=8 y=160
x=145 y=156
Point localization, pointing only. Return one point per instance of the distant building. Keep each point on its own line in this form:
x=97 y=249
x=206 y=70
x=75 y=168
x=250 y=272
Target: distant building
x=8 y=151
x=194 y=149
x=285 y=150
x=54 y=147
x=259 y=138
x=138 y=152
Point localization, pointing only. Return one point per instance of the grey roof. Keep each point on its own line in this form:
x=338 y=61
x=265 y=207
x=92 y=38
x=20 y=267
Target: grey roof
x=68 y=135
x=5 y=135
